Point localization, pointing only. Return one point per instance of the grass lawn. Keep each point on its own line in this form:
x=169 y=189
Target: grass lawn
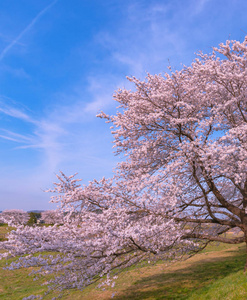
x=216 y=273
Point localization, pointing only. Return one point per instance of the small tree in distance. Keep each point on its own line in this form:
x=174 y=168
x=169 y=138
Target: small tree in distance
x=32 y=219
x=182 y=185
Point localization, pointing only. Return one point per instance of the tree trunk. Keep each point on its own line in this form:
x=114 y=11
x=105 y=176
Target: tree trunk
x=245 y=238
x=245 y=267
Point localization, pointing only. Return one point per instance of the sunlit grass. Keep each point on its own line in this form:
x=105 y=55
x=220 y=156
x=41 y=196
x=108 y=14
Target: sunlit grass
x=204 y=274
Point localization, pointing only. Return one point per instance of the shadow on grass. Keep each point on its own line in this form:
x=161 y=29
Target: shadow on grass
x=182 y=283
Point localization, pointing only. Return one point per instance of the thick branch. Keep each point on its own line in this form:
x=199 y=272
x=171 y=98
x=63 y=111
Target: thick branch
x=237 y=240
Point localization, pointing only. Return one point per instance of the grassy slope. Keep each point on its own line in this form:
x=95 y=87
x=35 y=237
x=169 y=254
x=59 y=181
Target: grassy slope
x=217 y=273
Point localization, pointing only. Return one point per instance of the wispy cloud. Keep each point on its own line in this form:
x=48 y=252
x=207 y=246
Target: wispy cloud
x=45 y=134
x=16 y=113
x=159 y=38
x=62 y=133
x=10 y=138
x=15 y=137
x=29 y=26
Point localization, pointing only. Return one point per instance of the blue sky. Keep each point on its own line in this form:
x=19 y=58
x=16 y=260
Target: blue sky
x=60 y=63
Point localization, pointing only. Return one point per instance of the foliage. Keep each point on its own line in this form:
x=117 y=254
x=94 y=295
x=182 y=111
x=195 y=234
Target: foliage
x=32 y=219
x=183 y=182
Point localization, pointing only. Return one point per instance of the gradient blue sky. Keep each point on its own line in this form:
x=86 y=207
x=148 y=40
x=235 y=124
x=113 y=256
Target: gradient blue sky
x=61 y=61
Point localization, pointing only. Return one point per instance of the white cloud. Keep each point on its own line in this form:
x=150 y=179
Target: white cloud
x=23 y=32
x=15 y=137
x=13 y=112
x=149 y=37
x=62 y=133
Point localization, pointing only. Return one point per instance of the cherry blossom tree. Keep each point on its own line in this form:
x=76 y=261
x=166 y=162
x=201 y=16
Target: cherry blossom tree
x=14 y=217
x=182 y=184
x=52 y=217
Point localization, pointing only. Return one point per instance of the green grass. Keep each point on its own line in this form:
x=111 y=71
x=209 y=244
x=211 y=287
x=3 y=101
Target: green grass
x=216 y=273
x=4 y=229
